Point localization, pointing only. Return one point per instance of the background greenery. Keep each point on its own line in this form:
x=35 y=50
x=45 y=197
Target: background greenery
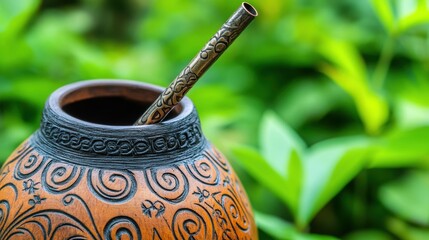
x=322 y=106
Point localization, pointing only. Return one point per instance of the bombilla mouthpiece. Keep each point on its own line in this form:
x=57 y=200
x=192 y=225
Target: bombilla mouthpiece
x=250 y=9
x=217 y=45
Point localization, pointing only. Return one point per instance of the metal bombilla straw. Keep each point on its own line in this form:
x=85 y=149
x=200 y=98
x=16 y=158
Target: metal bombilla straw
x=199 y=65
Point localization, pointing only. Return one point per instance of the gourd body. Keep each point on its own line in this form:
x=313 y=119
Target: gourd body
x=79 y=178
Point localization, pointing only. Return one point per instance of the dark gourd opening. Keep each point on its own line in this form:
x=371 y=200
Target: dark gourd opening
x=118 y=106
x=117 y=111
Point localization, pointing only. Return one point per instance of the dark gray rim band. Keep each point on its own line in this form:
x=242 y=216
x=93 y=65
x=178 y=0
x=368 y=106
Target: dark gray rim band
x=69 y=139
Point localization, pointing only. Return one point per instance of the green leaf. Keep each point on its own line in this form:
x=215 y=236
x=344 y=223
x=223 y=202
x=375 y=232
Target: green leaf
x=274 y=226
x=13 y=17
x=403 y=147
x=294 y=180
x=296 y=102
x=287 y=189
x=282 y=148
x=413 y=13
x=30 y=89
x=405 y=231
x=280 y=229
x=412 y=85
x=385 y=13
x=349 y=72
x=417 y=18
x=344 y=55
x=278 y=141
x=368 y=235
x=328 y=167
x=259 y=168
x=313 y=237
x=409 y=114
x=407 y=197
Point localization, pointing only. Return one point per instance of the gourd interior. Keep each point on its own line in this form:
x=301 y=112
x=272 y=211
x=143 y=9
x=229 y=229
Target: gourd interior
x=120 y=106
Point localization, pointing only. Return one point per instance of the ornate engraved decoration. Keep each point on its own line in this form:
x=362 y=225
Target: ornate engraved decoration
x=182 y=138
x=223 y=38
x=42 y=197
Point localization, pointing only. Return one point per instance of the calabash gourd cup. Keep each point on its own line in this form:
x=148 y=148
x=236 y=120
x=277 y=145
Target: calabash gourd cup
x=88 y=173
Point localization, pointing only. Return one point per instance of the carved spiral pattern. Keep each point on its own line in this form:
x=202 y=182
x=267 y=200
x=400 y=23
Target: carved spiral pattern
x=122 y=228
x=45 y=197
x=218 y=158
x=28 y=166
x=4 y=212
x=112 y=185
x=21 y=152
x=211 y=214
x=168 y=183
x=204 y=171
x=171 y=185
x=236 y=213
x=58 y=177
x=9 y=194
x=190 y=224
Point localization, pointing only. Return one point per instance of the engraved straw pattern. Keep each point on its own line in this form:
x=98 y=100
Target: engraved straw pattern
x=197 y=67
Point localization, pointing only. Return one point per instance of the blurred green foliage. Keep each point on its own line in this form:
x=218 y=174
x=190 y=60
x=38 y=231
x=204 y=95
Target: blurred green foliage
x=322 y=106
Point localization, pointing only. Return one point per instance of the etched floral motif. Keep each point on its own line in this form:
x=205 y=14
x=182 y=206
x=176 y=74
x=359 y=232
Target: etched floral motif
x=30 y=186
x=36 y=200
x=149 y=206
x=202 y=194
x=210 y=214
x=54 y=193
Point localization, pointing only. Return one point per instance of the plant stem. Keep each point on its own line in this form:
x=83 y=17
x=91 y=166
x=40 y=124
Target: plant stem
x=383 y=63
x=361 y=194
